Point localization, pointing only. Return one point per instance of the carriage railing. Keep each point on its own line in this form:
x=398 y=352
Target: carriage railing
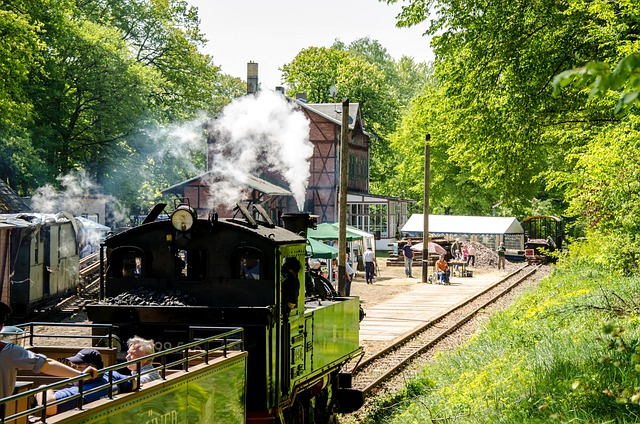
x=31 y=333
x=200 y=350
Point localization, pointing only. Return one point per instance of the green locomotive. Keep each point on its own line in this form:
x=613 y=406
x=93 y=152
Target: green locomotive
x=166 y=275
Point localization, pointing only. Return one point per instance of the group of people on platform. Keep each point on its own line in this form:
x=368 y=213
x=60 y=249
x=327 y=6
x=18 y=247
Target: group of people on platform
x=465 y=252
x=460 y=252
x=86 y=362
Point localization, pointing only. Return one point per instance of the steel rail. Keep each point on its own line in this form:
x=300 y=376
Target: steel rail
x=398 y=355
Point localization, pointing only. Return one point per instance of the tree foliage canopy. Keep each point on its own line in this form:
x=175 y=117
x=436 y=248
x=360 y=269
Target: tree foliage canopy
x=91 y=85
x=365 y=73
x=492 y=111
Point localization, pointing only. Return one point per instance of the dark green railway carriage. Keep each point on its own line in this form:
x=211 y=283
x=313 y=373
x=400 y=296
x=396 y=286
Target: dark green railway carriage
x=40 y=252
x=229 y=269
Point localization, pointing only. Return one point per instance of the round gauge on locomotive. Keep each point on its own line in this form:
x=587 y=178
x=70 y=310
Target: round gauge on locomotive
x=182 y=218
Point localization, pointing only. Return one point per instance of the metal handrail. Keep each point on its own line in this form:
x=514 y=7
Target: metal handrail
x=31 y=335
x=231 y=339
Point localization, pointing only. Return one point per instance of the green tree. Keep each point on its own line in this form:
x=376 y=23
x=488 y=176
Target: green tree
x=427 y=115
x=604 y=186
x=20 y=55
x=164 y=36
x=494 y=67
x=364 y=72
x=96 y=79
x=89 y=98
x=625 y=78
x=403 y=80
x=313 y=71
x=405 y=76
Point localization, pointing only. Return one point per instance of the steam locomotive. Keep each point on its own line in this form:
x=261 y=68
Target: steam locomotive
x=165 y=275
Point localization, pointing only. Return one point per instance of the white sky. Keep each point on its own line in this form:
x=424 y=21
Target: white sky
x=272 y=32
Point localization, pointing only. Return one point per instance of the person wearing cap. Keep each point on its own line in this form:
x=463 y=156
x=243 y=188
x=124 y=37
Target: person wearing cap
x=138 y=348
x=369 y=259
x=14 y=358
x=82 y=359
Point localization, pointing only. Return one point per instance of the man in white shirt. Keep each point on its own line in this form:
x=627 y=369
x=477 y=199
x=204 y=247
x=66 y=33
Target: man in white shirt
x=369 y=259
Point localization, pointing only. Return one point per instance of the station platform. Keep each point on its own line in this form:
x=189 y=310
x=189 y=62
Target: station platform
x=415 y=304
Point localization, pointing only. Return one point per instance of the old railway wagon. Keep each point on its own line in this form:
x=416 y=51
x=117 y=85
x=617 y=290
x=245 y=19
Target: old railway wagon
x=164 y=276
x=38 y=260
x=543 y=235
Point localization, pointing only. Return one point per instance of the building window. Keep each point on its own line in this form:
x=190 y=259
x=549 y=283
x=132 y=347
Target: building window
x=371 y=218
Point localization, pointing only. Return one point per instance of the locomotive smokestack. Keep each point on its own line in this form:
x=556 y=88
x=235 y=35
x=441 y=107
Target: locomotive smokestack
x=299 y=223
x=252 y=78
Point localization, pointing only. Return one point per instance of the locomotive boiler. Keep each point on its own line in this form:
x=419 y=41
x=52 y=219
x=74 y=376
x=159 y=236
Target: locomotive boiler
x=164 y=276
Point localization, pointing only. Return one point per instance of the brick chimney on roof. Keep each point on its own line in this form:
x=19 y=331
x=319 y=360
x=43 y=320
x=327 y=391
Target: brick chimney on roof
x=252 y=78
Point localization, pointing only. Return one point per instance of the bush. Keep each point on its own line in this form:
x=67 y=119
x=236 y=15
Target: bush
x=616 y=253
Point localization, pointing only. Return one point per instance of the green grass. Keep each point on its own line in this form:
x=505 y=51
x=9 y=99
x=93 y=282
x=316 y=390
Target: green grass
x=567 y=351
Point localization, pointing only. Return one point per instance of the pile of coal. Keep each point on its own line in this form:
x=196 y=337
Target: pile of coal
x=485 y=257
x=488 y=258
x=149 y=297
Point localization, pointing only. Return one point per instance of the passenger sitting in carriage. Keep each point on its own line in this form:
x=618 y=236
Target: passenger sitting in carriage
x=80 y=361
x=138 y=348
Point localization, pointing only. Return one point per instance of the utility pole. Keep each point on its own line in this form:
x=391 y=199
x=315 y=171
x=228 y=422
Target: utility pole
x=425 y=210
x=342 y=202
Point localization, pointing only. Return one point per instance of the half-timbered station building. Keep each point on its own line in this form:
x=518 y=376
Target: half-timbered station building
x=379 y=215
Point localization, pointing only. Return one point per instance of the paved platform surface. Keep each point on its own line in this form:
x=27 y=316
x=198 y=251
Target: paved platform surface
x=399 y=315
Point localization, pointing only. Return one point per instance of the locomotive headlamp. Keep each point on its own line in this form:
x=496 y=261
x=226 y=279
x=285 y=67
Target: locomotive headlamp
x=183 y=217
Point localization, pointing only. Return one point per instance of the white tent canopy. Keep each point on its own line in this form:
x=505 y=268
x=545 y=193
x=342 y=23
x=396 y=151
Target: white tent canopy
x=368 y=239
x=460 y=224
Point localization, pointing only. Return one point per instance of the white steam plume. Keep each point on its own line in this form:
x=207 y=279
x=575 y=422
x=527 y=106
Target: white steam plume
x=70 y=197
x=256 y=134
x=178 y=142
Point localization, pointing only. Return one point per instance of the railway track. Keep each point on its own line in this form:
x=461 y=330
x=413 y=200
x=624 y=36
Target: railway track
x=374 y=370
